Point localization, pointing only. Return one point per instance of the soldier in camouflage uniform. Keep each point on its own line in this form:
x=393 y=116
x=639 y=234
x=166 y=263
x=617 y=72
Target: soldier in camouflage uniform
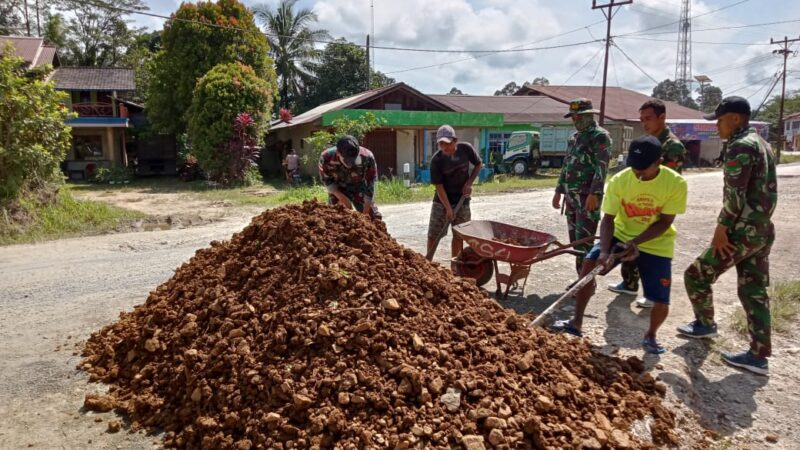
x=743 y=237
x=349 y=171
x=583 y=175
x=653 y=117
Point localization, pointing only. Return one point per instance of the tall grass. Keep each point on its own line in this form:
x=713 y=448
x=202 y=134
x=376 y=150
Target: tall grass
x=784 y=308
x=63 y=217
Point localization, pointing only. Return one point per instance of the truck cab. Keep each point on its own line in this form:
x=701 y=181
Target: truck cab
x=522 y=155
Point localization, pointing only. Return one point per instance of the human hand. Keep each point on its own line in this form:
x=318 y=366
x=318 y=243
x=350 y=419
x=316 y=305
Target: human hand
x=720 y=244
x=557 y=201
x=592 y=202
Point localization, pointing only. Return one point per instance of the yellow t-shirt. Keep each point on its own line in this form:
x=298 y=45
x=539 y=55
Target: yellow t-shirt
x=637 y=204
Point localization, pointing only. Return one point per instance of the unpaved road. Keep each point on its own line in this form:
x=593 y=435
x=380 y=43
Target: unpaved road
x=53 y=295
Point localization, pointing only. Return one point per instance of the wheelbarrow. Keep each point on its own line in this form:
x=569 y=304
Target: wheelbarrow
x=492 y=242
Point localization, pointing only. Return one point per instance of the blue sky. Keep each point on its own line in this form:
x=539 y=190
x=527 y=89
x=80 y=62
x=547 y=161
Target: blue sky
x=738 y=60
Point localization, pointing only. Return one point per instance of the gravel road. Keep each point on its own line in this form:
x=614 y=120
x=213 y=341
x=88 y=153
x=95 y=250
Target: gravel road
x=53 y=295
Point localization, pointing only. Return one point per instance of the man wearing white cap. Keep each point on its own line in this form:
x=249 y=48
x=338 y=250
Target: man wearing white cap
x=451 y=175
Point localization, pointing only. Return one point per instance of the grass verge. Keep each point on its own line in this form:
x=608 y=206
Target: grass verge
x=788 y=159
x=784 y=307
x=65 y=216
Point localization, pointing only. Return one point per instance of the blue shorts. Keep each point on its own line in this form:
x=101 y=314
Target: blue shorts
x=655 y=272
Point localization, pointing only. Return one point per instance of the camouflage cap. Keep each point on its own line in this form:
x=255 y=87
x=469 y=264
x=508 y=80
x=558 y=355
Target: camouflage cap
x=580 y=106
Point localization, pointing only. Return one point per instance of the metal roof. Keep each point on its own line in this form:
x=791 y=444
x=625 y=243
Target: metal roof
x=31 y=49
x=524 y=109
x=94 y=79
x=621 y=103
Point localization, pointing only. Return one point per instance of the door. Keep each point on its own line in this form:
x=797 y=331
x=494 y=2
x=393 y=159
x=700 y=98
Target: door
x=383 y=144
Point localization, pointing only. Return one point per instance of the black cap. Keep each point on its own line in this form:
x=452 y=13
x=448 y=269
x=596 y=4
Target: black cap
x=732 y=104
x=643 y=152
x=348 y=147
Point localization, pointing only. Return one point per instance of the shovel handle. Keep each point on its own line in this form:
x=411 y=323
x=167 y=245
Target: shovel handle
x=575 y=288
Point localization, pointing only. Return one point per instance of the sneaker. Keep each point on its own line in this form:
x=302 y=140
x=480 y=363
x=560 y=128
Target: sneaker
x=747 y=361
x=621 y=289
x=650 y=345
x=697 y=330
x=645 y=303
x=565 y=326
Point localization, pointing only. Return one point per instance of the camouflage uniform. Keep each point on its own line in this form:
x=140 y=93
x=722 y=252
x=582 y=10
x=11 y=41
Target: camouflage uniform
x=357 y=183
x=674 y=153
x=750 y=196
x=583 y=173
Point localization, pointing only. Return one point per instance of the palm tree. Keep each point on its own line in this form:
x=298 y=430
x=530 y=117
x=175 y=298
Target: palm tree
x=291 y=42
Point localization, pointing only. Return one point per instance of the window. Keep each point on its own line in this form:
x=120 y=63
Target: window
x=88 y=147
x=498 y=141
x=393 y=107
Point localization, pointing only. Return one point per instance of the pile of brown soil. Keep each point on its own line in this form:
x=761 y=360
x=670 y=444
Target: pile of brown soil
x=312 y=328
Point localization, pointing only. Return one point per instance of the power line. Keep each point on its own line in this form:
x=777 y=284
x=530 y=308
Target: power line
x=516 y=49
x=634 y=63
x=565 y=81
x=692 y=18
x=693 y=41
x=729 y=27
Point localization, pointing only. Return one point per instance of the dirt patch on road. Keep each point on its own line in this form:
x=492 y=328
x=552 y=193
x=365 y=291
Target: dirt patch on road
x=312 y=327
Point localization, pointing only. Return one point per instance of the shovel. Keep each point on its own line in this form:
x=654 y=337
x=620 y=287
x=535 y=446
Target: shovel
x=599 y=269
x=432 y=251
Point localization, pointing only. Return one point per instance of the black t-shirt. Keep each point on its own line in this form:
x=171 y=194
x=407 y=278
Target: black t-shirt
x=453 y=171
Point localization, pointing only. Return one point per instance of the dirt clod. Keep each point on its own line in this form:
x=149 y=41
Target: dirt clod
x=273 y=339
x=114 y=426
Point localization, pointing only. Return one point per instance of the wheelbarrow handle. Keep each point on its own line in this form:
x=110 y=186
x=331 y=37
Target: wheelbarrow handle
x=586 y=240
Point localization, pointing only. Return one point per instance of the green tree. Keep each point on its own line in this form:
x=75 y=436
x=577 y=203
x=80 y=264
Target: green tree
x=189 y=50
x=770 y=111
x=292 y=41
x=33 y=134
x=508 y=89
x=55 y=31
x=673 y=91
x=540 y=81
x=12 y=20
x=141 y=58
x=710 y=97
x=324 y=139
x=340 y=72
x=99 y=36
x=455 y=91
x=225 y=92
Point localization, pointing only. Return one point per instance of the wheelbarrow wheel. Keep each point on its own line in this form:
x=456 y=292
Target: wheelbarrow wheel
x=472 y=265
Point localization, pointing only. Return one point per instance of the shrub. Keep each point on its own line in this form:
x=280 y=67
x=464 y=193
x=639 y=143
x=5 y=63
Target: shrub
x=226 y=94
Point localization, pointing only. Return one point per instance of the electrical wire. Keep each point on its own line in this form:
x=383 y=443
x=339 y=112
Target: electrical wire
x=691 y=18
x=634 y=63
x=565 y=82
x=693 y=41
x=729 y=27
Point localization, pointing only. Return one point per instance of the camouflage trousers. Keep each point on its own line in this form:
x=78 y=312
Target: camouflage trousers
x=630 y=275
x=751 y=259
x=580 y=223
x=358 y=200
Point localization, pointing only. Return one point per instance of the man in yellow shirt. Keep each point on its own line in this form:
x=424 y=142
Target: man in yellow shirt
x=640 y=204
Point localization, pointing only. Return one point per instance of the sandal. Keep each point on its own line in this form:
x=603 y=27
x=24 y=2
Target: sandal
x=565 y=326
x=650 y=345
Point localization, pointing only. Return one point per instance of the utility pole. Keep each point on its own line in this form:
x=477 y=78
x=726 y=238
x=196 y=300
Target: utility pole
x=785 y=52
x=369 y=68
x=372 y=30
x=609 y=15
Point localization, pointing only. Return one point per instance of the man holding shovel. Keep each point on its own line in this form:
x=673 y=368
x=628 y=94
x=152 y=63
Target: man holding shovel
x=640 y=204
x=451 y=175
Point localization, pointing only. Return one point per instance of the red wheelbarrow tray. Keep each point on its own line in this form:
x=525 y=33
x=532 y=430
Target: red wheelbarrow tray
x=485 y=236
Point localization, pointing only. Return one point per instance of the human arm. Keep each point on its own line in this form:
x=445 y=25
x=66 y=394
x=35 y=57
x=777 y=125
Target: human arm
x=600 y=150
x=475 y=160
